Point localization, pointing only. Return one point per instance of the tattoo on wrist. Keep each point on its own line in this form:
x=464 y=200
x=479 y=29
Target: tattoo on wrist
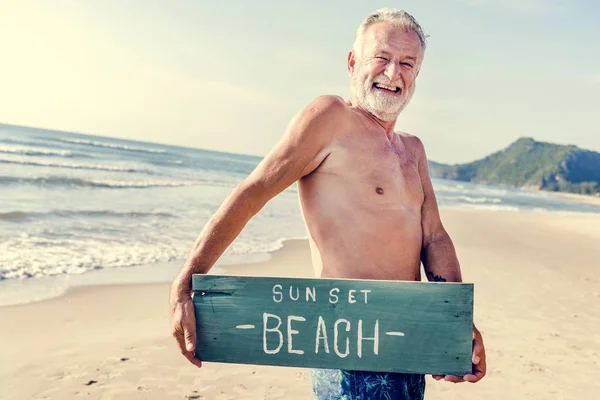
x=437 y=278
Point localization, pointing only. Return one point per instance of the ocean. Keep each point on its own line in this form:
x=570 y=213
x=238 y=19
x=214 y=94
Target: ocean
x=72 y=204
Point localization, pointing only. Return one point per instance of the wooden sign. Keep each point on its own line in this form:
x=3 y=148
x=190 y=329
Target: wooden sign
x=369 y=325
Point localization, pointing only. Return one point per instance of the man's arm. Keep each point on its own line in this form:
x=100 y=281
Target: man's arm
x=437 y=252
x=441 y=262
x=303 y=147
x=300 y=151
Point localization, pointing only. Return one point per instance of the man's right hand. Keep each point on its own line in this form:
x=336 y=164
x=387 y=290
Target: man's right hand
x=305 y=145
x=183 y=327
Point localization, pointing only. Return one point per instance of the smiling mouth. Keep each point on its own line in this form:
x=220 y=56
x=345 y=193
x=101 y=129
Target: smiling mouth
x=387 y=88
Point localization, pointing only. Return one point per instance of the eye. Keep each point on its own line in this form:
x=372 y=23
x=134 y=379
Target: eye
x=405 y=64
x=382 y=58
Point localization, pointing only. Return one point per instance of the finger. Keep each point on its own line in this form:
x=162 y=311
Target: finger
x=478 y=372
x=479 y=362
x=474 y=377
x=187 y=354
x=180 y=343
x=478 y=350
x=480 y=369
x=437 y=377
x=453 y=378
x=193 y=359
x=189 y=326
x=179 y=335
x=190 y=339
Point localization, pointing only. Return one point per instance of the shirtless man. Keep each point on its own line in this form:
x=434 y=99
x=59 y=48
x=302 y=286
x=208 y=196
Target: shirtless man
x=365 y=195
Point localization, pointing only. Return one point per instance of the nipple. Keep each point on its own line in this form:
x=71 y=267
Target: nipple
x=379 y=190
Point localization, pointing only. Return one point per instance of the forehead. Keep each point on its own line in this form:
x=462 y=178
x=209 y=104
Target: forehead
x=383 y=36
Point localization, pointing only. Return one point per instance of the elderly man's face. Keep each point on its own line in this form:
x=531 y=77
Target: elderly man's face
x=384 y=69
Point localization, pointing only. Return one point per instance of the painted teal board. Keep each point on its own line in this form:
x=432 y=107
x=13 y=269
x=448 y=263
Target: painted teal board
x=369 y=325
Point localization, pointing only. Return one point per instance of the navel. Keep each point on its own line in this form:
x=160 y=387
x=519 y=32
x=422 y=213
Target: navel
x=379 y=190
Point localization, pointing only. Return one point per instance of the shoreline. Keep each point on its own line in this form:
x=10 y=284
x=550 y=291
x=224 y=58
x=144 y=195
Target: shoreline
x=537 y=304
x=591 y=199
x=52 y=287
x=13 y=291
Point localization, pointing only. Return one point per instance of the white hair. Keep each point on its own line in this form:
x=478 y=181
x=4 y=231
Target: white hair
x=397 y=18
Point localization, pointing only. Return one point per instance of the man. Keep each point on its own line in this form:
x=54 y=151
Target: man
x=365 y=195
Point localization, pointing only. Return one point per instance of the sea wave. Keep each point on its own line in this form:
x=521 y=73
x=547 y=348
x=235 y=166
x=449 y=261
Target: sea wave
x=262 y=246
x=481 y=207
x=477 y=200
x=21 y=256
x=15 y=216
x=471 y=189
x=28 y=257
x=110 y=145
x=97 y=183
x=7 y=159
x=34 y=151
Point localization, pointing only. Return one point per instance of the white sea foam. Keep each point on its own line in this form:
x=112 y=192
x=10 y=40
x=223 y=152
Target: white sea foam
x=90 y=223
x=470 y=199
x=483 y=207
x=99 y=183
x=243 y=248
x=34 y=151
x=36 y=257
x=27 y=257
x=110 y=145
x=23 y=215
x=25 y=160
x=140 y=184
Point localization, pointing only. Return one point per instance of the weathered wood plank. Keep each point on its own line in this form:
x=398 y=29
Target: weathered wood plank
x=394 y=326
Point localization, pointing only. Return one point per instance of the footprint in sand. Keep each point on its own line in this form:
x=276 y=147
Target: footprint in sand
x=74 y=372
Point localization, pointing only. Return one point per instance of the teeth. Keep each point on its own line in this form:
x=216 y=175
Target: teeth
x=381 y=85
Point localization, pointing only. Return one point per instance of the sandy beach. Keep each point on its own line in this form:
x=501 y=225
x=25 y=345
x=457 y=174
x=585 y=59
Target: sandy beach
x=537 y=303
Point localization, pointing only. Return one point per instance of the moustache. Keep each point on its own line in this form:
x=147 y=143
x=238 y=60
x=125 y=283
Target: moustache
x=382 y=79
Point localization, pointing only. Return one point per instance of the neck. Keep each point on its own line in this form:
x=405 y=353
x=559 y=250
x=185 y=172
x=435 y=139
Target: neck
x=387 y=124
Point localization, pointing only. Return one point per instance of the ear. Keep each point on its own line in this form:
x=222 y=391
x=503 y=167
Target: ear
x=351 y=61
x=420 y=63
x=418 y=70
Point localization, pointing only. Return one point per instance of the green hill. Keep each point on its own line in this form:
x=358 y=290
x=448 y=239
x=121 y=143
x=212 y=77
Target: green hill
x=530 y=164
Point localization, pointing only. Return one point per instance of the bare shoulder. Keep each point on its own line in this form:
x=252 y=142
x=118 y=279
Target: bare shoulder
x=330 y=101
x=320 y=121
x=413 y=143
x=325 y=108
x=306 y=143
x=417 y=148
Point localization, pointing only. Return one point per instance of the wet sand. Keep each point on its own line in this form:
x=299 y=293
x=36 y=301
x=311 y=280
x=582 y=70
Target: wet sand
x=537 y=303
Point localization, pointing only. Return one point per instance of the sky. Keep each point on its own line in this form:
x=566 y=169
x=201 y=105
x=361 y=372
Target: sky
x=229 y=75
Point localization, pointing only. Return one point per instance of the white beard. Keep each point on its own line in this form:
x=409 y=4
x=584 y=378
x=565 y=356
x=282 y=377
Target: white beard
x=384 y=106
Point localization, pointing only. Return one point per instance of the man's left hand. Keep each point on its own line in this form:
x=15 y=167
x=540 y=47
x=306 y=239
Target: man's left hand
x=479 y=366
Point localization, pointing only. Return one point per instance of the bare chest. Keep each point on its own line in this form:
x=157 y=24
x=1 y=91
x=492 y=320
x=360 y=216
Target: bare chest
x=378 y=171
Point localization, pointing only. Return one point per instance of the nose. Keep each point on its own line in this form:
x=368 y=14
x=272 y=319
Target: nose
x=392 y=71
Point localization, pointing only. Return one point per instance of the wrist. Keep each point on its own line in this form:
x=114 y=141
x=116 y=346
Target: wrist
x=181 y=288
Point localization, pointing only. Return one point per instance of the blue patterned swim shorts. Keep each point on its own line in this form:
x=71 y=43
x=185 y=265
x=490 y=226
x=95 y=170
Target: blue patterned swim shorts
x=335 y=384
